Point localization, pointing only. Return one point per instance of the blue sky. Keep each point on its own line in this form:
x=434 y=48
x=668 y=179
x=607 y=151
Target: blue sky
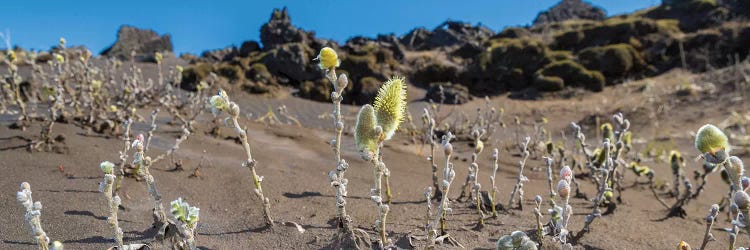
x=200 y=25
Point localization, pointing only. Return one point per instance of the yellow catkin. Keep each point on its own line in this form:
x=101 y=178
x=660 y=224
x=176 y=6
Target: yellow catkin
x=390 y=105
x=328 y=58
x=608 y=132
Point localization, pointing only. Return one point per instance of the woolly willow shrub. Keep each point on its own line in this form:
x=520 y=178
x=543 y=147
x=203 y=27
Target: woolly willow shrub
x=714 y=147
x=222 y=103
x=329 y=61
x=32 y=216
x=376 y=124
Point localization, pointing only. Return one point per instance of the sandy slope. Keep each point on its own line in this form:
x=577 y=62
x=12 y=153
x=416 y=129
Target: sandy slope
x=295 y=161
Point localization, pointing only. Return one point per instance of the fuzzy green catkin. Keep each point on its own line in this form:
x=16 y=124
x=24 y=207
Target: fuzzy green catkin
x=365 y=135
x=390 y=105
x=608 y=132
x=711 y=139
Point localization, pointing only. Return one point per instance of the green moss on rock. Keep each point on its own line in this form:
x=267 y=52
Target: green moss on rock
x=549 y=83
x=524 y=53
x=574 y=74
x=615 y=60
x=614 y=30
x=359 y=65
x=232 y=72
x=559 y=55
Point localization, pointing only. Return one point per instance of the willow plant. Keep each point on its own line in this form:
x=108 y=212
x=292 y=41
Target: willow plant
x=376 y=124
x=222 y=103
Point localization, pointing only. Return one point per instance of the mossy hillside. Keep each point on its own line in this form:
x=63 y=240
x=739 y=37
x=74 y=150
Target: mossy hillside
x=574 y=75
x=528 y=62
x=692 y=14
x=234 y=73
x=259 y=72
x=614 y=30
x=616 y=60
x=564 y=26
x=549 y=83
x=527 y=54
x=428 y=69
x=259 y=79
x=512 y=32
x=559 y=55
x=368 y=60
x=367 y=67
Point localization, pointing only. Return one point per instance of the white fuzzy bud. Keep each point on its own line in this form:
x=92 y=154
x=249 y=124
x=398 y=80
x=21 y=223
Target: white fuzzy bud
x=566 y=173
x=107 y=167
x=742 y=200
x=37 y=206
x=22 y=197
x=342 y=82
x=563 y=188
x=714 y=209
x=448 y=149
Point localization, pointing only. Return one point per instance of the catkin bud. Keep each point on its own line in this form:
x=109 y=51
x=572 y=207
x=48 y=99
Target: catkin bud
x=479 y=147
x=158 y=57
x=59 y=58
x=57 y=246
x=107 y=167
x=11 y=56
x=608 y=132
x=342 y=82
x=365 y=134
x=714 y=209
x=742 y=200
x=219 y=102
x=22 y=196
x=683 y=246
x=566 y=173
x=448 y=148
x=710 y=139
x=737 y=165
x=563 y=188
x=328 y=58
